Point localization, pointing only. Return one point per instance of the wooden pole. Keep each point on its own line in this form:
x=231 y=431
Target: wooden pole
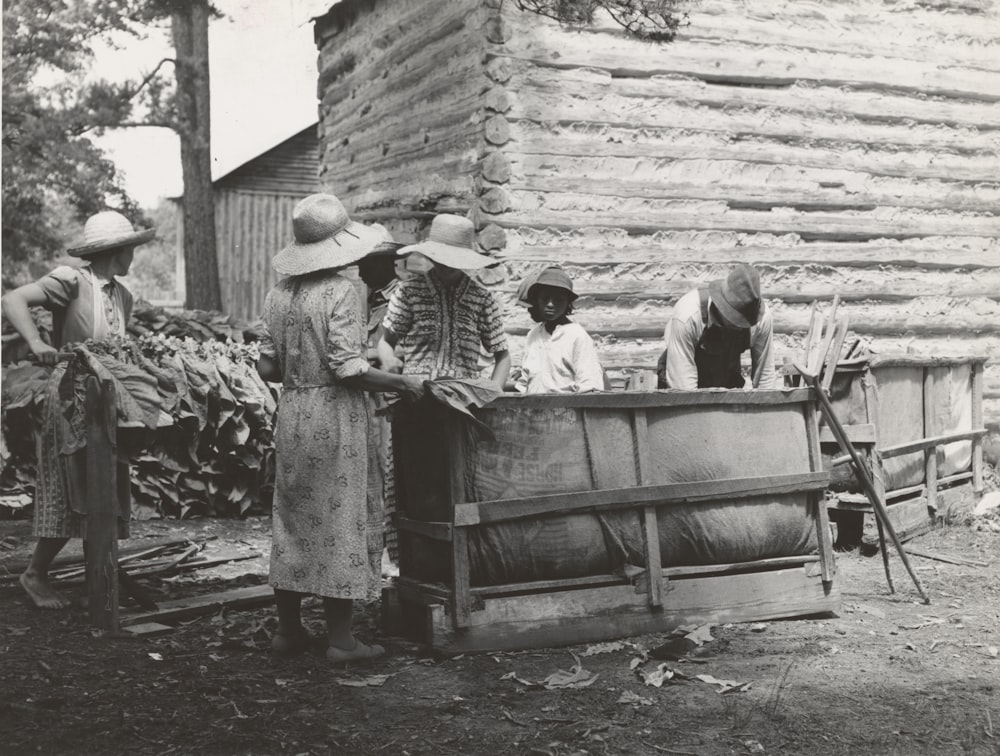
x=861 y=471
x=101 y=532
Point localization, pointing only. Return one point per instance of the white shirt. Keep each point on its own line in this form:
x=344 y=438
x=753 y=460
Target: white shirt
x=564 y=361
x=684 y=330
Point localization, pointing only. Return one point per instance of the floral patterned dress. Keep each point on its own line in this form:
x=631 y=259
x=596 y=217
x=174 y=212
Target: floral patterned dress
x=327 y=524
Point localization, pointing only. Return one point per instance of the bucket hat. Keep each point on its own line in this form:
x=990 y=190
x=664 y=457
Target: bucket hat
x=325 y=237
x=108 y=230
x=737 y=296
x=451 y=242
x=553 y=276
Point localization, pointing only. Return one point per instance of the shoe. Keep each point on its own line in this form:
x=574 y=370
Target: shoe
x=360 y=652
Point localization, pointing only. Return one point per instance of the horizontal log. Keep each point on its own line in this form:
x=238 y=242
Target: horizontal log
x=917 y=33
x=869 y=320
x=756 y=185
x=832 y=103
x=902 y=152
x=790 y=287
x=570 y=211
x=750 y=64
x=582 y=247
x=504 y=510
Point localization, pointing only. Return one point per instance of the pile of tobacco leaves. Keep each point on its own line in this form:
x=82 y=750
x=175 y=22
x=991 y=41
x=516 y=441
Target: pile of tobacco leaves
x=195 y=419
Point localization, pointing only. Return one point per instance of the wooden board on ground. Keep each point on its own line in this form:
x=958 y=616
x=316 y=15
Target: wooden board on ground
x=913 y=517
x=238 y=598
x=148 y=629
x=604 y=613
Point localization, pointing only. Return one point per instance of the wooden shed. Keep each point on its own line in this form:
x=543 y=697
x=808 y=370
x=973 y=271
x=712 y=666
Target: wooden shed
x=253 y=217
x=844 y=148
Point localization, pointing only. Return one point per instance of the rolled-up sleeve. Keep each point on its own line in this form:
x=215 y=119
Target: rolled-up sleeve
x=491 y=325
x=347 y=350
x=399 y=312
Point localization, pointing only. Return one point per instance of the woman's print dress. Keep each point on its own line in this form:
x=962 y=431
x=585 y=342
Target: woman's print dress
x=327 y=524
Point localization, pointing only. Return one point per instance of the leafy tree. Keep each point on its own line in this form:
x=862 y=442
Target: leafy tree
x=51 y=115
x=651 y=20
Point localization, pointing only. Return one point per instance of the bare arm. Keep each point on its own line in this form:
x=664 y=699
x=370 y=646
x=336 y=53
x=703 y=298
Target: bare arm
x=386 y=352
x=762 y=354
x=16 y=306
x=377 y=380
x=501 y=368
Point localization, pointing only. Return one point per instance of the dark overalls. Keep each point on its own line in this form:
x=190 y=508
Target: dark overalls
x=716 y=355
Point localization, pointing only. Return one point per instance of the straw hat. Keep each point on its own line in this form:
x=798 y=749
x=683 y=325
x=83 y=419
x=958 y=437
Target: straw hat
x=737 y=297
x=387 y=246
x=451 y=242
x=109 y=230
x=325 y=237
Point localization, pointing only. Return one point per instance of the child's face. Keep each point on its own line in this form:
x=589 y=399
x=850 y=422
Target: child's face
x=121 y=261
x=551 y=302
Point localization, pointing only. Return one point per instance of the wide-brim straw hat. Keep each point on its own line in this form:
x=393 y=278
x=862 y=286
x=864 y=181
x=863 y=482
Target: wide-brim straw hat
x=325 y=238
x=109 y=230
x=387 y=246
x=737 y=297
x=451 y=242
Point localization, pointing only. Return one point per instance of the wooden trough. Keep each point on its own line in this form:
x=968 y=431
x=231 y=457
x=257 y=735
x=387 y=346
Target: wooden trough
x=921 y=421
x=539 y=528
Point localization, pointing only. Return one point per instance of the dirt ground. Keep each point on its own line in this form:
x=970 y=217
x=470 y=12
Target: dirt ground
x=890 y=675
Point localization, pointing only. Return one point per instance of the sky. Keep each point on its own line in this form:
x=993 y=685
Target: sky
x=263 y=71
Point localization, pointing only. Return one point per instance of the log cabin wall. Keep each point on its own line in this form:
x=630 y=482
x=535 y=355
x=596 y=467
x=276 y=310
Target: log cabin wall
x=844 y=148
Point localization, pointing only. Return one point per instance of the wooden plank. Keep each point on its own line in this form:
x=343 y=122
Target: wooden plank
x=247 y=597
x=860 y=433
x=931 y=428
x=925 y=443
x=833 y=356
x=439 y=531
x=461 y=599
x=101 y=533
x=650 y=529
x=148 y=629
x=978 y=372
x=504 y=510
x=817 y=505
x=669 y=398
x=598 y=614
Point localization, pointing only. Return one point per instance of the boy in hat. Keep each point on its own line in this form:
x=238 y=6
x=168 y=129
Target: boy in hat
x=711 y=327
x=559 y=355
x=440 y=319
x=86 y=303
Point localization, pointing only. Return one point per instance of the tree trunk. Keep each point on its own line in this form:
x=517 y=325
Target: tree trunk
x=189 y=26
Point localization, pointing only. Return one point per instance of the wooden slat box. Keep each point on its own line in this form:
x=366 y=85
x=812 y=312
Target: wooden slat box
x=922 y=420
x=539 y=530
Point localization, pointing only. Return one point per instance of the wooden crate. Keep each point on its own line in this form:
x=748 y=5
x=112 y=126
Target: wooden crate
x=920 y=421
x=649 y=468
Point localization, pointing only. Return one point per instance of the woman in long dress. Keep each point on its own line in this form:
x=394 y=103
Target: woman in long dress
x=86 y=303
x=327 y=522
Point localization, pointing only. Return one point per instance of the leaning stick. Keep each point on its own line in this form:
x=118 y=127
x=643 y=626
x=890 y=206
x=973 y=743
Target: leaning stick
x=861 y=471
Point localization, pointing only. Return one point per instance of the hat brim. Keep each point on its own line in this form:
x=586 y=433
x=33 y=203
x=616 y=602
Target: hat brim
x=572 y=294
x=449 y=255
x=128 y=240
x=384 y=249
x=347 y=246
x=717 y=290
